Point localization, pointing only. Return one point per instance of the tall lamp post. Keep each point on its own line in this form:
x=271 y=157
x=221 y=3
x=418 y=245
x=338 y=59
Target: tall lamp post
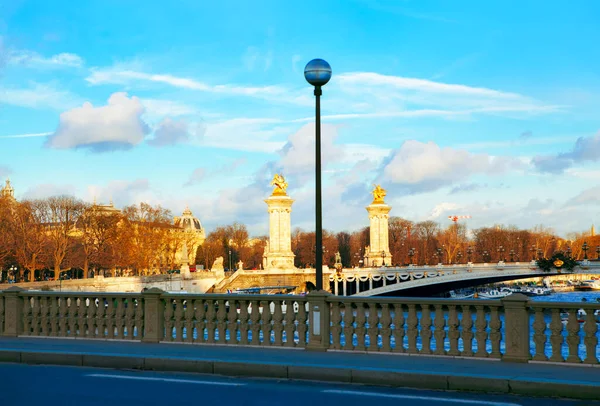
x=318 y=72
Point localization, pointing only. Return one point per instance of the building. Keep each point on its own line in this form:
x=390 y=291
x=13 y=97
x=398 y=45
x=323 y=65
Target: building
x=8 y=191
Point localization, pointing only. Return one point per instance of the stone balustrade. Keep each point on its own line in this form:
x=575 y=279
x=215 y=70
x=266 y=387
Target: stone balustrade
x=510 y=329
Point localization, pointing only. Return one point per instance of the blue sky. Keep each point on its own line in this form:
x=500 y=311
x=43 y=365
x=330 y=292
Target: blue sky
x=486 y=109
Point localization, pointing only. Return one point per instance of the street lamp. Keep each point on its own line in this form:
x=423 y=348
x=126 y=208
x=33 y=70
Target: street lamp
x=469 y=253
x=229 y=260
x=585 y=249
x=532 y=250
x=318 y=72
x=411 y=253
x=382 y=258
x=13 y=269
x=501 y=253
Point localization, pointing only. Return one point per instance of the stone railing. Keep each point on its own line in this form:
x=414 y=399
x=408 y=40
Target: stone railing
x=511 y=329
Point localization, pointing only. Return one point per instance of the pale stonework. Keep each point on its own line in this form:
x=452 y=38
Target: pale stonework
x=379 y=250
x=278 y=252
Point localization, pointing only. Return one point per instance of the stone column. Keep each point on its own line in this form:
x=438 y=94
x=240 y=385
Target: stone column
x=379 y=249
x=13 y=312
x=154 y=319
x=319 y=320
x=516 y=319
x=278 y=254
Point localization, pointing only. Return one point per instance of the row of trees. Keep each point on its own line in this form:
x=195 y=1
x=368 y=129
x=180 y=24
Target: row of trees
x=46 y=237
x=50 y=236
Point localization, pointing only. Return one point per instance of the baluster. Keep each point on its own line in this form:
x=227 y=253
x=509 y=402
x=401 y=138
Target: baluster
x=119 y=317
x=62 y=316
x=398 y=330
x=44 y=311
x=2 y=314
x=439 y=332
x=290 y=322
x=244 y=326
x=139 y=318
x=412 y=331
x=221 y=321
x=71 y=317
x=373 y=329
x=81 y=316
x=53 y=316
x=200 y=314
x=27 y=317
x=266 y=322
x=590 y=340
x=110 y=318
x=129 y=317
x=232 y=324
x=336 y=326
x=169 y=312
x=539 y=335
x=35 y=316
x=189 y=320
x=278 y=322
x=386 y=331
x=453 y=333
x=466 y=325
x=348 y=326
x=480 y=333
x=556 y=338
x=211 y=322
x=302 y=327
x=255 y=322
x=573 y=337
x=91 y=317
x=178 y=320
x=426 y=329
x=495 y=334
x=100 y=316
x=360 y=329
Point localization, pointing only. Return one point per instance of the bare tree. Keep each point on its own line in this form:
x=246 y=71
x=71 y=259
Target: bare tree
x=30 y=222
x=64 y=211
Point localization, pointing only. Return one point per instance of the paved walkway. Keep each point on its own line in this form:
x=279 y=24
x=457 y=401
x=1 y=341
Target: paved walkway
x=428 y=372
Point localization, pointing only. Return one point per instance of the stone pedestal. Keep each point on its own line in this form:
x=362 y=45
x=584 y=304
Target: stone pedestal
x=278 y=252
x=378 y=253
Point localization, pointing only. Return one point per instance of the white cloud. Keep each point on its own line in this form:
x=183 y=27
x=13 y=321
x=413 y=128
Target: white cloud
x=117 y=75
x=196 y=177
x=39 y=96
x=156 y=108
x=30 y=135
x=35 y=60
x=47 y=190
x=4 y=171
x=122 y=193
x=425 y=166
x=171 y=132
x=118 y=125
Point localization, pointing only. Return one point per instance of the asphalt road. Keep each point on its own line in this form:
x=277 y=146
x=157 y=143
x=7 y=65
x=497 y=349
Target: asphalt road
x=56 y=385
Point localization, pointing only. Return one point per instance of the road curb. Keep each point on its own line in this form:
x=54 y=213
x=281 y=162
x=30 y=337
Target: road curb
x=323 y=373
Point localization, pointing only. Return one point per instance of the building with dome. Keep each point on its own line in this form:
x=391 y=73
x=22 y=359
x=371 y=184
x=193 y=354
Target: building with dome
x=8 y=191
x=193 y=233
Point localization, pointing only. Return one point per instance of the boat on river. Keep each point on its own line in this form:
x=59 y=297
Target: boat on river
x=588 y=285
x=494 y=293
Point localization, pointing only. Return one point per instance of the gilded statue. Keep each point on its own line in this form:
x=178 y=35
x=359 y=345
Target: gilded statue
x=378 y=194
x=280 y=185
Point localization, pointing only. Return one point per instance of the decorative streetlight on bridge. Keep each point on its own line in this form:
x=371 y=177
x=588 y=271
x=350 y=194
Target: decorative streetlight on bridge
x=512 y=255
x=458 y=256
x=501 y=254
x=585 y=249
x=469 y=253
x=569 y=252
x=411 y=254
x=318 y=72
x=533 y=250
x=598 y=252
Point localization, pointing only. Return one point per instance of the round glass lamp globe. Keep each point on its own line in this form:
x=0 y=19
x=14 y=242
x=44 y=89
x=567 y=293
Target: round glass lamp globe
x=317 y=72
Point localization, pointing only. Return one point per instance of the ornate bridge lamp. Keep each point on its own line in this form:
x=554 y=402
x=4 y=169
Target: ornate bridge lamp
x=411 y=254
x=585 y=249
x=469 y=253
x=318 y=72
x=598 y=252
x=569 y=252
x=382 y=258
x=540 y=253
x=439 y=255
x=501 y=253
x=458 y=257
x=512 y=255
x=485 y=255
x=532 y=250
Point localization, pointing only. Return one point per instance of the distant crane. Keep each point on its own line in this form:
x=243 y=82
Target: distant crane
x=456 y=218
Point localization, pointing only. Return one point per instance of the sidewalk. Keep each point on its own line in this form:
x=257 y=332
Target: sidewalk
x=415 y=371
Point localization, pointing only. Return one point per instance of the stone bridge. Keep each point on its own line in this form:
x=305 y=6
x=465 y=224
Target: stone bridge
x=432 y=280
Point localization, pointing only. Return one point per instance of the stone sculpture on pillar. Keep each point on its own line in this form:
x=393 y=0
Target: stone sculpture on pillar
x=184 y=271
x=378 y=253
x=278 y=250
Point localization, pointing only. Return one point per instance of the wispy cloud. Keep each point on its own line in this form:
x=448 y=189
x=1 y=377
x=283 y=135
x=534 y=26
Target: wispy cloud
x=26 y=135
x=39 y=96
x=35 y=60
